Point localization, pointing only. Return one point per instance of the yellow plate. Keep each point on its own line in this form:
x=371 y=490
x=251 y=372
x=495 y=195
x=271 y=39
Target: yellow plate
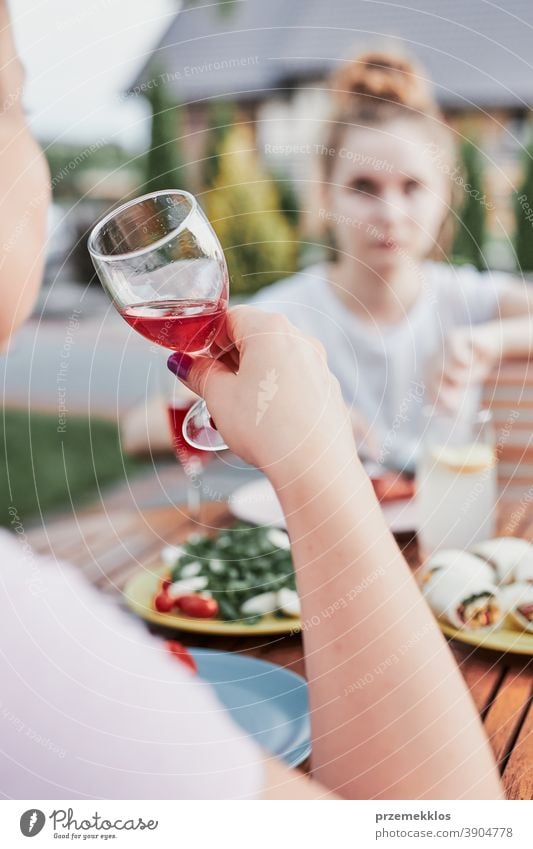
x=504 y=639
x=141 y=588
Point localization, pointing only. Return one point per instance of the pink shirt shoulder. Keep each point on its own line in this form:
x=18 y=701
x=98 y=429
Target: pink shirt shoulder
x=92 y=706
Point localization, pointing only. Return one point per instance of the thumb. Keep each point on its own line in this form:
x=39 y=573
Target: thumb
x=204 y=376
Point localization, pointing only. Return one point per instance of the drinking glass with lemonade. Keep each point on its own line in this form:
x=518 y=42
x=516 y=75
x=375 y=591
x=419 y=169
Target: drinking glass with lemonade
x=456 y=481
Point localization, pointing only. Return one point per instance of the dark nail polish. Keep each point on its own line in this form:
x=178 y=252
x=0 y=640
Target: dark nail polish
x=180 y=365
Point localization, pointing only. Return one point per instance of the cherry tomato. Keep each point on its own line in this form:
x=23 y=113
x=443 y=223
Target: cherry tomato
x=163 y=602
x=197 y=606
x=179 y=651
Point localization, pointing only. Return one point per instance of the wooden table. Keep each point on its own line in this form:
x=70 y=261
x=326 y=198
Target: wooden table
x=109 y=547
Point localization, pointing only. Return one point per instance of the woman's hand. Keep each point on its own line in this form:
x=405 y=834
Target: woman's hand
x=283 y=409
x=466 y=362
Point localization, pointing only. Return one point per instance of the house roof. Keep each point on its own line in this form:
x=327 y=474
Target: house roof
x=475 y=51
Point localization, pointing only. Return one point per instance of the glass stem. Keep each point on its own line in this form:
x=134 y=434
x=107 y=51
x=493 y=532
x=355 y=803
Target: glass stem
x=193 y=471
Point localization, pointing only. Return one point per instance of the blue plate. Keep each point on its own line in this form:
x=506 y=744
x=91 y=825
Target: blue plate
x=267 y=701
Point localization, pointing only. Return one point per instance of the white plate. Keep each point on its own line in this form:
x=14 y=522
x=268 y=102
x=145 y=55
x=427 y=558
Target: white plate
x=257 y=503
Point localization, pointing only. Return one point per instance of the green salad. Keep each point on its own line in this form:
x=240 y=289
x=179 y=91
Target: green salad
x=244 y=573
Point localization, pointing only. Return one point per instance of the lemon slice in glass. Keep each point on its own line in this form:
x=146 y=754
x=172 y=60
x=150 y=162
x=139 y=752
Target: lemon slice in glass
x=465 y=459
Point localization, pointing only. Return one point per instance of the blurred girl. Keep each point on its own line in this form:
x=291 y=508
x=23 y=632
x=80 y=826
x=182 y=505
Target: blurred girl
x=399 y=329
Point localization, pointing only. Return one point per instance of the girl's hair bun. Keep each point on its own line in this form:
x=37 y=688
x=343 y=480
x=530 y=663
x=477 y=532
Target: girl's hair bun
x=386 y=77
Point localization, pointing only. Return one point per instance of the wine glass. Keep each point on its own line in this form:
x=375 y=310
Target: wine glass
x=161 y=263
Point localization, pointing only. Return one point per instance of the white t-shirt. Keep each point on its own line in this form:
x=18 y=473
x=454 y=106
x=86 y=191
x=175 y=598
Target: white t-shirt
x=92 y=706
x=381 y=368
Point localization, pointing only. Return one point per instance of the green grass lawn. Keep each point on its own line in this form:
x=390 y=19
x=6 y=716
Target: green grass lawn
x=43 y=470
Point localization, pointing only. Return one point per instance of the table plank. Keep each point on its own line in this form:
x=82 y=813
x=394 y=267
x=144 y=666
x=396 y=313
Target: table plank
x=506 y=713
x=110 y=546
x=483 y=676
x=518 y=774
x=166 y=526
x=76 y=538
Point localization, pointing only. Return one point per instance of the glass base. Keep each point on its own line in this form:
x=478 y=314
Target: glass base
x=198 y=429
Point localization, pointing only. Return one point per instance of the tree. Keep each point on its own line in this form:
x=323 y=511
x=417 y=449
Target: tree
x=470 y=233
x=220 y=119
x=524 y=218
x=164 y=164
x=244 y=207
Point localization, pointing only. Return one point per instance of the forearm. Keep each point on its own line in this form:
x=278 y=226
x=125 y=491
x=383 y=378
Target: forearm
x=514 y=335
x=512 y=330
x=391 y=715
x=23 y=217
x=25 y=193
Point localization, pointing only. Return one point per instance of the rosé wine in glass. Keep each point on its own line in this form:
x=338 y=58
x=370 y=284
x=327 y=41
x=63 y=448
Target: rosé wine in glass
x=187 y=326
x=161 y=263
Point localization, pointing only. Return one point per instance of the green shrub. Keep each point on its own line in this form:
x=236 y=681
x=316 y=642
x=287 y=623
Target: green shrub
x=220 y=121
x=164 y=164
x=524 y=218
x=470 y=234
